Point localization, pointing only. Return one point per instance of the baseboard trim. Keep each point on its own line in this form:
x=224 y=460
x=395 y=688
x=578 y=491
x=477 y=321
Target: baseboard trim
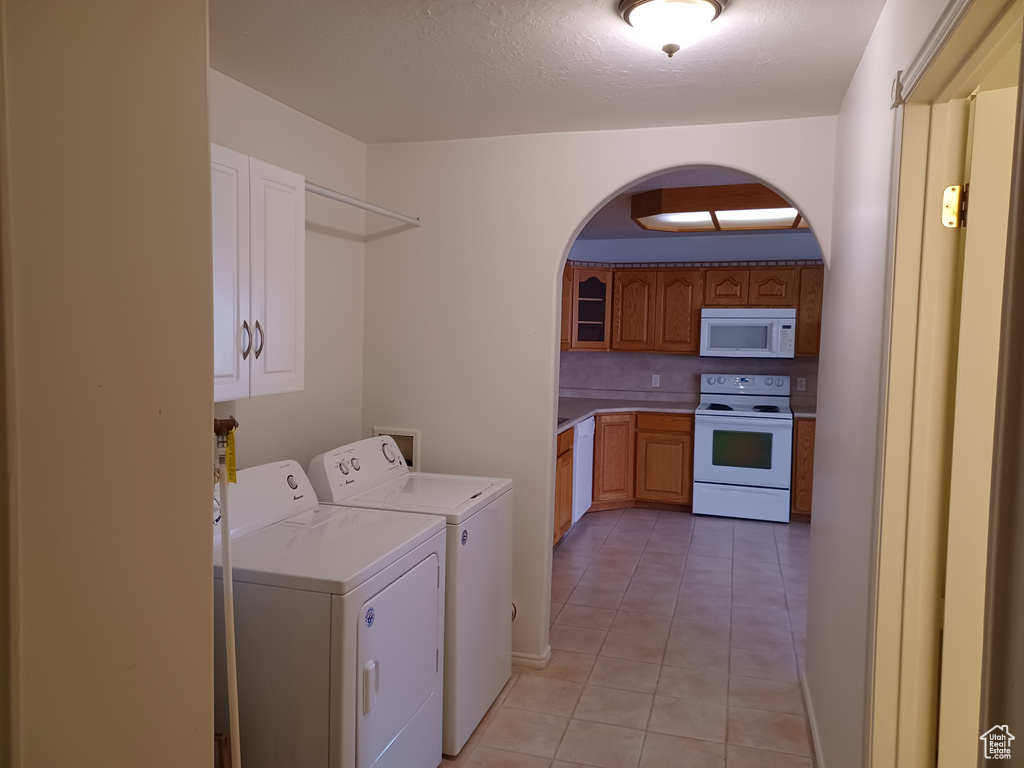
x=812 y=723
x=532 y=660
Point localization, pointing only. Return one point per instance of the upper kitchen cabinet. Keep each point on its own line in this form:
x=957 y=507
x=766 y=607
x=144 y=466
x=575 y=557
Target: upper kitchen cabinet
x=677 y=305
x=633 y=309
x=808 y=313
x=591 y=308
x=773 y=287
x=726 y=287
x=566 y=338
x=259 y=283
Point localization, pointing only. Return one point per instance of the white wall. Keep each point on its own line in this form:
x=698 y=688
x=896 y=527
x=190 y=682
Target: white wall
x=849 y=390
x=328 y=412
x=108 y=370
x=462 y=314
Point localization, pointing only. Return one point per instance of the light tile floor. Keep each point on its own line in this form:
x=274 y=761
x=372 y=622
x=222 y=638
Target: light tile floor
x=676 y=643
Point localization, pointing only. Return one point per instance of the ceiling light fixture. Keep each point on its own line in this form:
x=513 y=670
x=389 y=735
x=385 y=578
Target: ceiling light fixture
x=671 y=24
x=722 y=208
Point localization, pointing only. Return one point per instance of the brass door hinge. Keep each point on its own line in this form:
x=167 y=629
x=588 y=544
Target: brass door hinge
x=954 y=206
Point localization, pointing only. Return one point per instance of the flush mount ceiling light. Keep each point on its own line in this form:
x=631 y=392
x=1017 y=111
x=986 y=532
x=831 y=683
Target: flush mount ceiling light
x=670 y=24
x=723 y=208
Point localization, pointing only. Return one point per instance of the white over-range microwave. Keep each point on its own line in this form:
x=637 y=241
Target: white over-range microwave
x=743 y=332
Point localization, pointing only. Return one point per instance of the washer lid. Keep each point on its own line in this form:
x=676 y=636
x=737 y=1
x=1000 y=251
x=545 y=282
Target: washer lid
x=327 y=549
x=457 y=497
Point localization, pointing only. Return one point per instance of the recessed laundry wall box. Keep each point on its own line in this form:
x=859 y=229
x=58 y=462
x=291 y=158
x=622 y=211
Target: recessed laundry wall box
x=259 y=276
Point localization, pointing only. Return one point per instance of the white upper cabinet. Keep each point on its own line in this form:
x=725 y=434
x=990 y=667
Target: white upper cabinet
x=259 y=267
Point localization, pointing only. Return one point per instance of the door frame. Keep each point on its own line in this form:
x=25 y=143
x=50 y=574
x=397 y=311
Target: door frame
x=932 y=126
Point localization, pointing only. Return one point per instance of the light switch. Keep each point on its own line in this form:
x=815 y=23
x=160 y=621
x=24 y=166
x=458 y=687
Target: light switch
x=655 y=380
x=801 y=385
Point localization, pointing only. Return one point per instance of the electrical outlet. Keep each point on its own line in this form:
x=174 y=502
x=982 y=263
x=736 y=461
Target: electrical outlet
x=801 y=385
x=655 y=380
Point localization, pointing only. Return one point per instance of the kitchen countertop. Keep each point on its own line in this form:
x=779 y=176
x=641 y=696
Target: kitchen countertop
x=576 y=409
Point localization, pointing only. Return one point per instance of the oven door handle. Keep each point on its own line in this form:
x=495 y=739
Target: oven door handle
x=738 y=422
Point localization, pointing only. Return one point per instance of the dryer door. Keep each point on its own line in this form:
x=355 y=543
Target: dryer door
x=398 y=657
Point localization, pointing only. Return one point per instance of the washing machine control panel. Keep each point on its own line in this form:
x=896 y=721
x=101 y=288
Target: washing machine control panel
x=353 y=469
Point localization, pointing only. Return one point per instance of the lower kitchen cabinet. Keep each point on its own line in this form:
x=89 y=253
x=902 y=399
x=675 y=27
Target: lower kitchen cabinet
x=614 y=450
x=664 y=458
x=563 y=485
x=803 y=465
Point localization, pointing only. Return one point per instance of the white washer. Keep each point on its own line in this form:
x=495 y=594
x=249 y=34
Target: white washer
x=478 y=513
x=339 y=625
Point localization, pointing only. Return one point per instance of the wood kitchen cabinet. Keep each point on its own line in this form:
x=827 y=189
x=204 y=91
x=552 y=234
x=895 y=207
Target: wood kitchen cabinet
x=808 y=313
x=677 y=303
x=664 y=457
x=614 y=450
x=591 y=308
x=726 y=287
x=803 y=466
x=633 y=307
x=563 y=485
x=566 y=338
x=773 y=287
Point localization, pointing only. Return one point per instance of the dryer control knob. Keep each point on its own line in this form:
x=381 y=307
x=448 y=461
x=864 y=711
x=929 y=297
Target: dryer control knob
x=388 y=453
x=292 y=482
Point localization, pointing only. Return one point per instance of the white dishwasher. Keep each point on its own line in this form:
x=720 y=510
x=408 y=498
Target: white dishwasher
x=582 y=468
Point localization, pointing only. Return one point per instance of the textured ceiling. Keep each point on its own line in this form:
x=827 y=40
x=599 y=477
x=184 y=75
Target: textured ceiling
x=387 y=71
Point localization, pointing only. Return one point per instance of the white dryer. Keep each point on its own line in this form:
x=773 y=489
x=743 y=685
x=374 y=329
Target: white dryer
x=478 y=513
x=339 y=626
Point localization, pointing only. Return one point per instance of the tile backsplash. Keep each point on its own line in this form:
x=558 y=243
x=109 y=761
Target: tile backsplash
x=627 y=375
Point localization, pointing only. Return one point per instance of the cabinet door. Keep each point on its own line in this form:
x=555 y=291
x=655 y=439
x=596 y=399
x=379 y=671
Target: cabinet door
x=591 y=308
x=726 y=287
x=773 y=287
x=278 y=258
x=229 y=188
x=664 y=457
x=677 y=303
x=614 y=438
x=566 y=338
x=808 y=313
x=633 y=310
x=563 y=495
x=803 y=464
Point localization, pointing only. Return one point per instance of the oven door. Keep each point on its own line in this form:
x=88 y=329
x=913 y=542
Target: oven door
x=738 y=450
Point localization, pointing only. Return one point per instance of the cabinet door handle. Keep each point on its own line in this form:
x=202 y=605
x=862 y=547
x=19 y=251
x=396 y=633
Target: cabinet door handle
x=263 y=337
x=248 y=340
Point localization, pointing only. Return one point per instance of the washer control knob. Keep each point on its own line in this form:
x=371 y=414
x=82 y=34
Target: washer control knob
x=355 y=464
x=292 y=482
x=389 y=454
x=343 y=466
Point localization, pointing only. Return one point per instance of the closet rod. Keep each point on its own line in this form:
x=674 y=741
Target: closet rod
x=316 y=189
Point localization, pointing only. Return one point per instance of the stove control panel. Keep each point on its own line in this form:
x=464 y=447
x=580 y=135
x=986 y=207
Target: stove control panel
x=730 y=383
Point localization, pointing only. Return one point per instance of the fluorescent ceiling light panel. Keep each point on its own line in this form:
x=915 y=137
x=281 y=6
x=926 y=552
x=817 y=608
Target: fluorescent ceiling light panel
x=757 y=218
x=696 y=221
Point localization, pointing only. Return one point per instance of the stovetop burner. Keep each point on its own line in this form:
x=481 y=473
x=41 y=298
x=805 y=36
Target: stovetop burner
x=767 y=409
x=719 y=407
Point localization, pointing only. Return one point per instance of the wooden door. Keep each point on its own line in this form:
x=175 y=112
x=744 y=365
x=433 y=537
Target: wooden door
x=677 y=302
x=808 y=312
x=726 y=287
x=633 y=310
x=614 y=451
x=773 y=287
x=563 y=495
x=591 y=308
x=566 y=329
x=664 y=458
x=803 y=465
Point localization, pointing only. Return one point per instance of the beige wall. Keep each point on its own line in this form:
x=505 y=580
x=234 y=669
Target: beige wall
x=108 y=363
x=328 y=412
x=462 y=313
x=849 y=391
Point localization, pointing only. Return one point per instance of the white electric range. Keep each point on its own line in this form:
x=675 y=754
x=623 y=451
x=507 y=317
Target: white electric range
x=742 y=448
